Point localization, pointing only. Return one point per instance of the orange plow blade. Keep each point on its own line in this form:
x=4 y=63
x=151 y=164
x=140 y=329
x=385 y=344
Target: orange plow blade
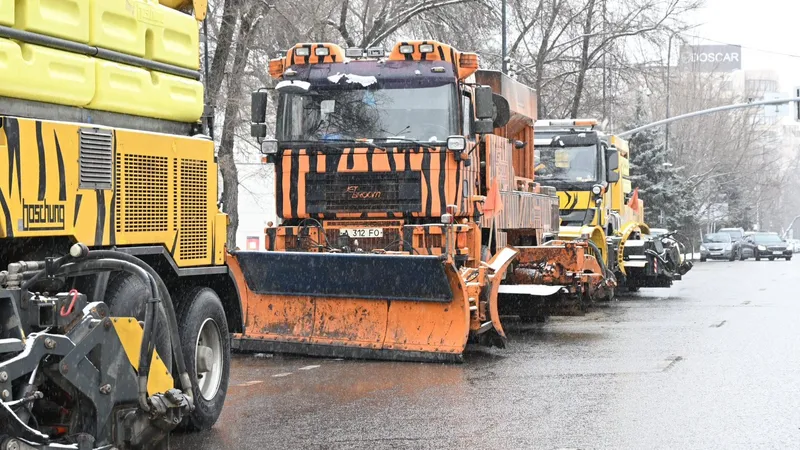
x=394 y=307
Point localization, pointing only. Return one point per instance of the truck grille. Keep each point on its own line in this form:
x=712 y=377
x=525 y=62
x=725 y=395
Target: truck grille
x=363 y=192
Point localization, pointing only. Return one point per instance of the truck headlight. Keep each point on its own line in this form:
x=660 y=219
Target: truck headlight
x=269 y=147
x=762 y=248
x=456 y=143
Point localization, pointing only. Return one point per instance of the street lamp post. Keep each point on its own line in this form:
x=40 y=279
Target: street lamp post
x=504 y=63
x=669 y=81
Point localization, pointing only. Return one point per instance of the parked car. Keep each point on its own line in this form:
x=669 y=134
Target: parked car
x=716 y=246
x=765 y=245
x=737 y=235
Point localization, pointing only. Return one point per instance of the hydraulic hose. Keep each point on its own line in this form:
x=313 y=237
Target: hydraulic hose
x=94 y=265
x=599 y=257
x=177 y=352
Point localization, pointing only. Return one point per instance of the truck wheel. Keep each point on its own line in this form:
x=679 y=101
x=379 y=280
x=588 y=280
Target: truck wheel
x=206 y=347
x=126 y=297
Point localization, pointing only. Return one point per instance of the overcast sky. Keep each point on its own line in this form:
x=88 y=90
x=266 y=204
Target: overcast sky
x=756 y=25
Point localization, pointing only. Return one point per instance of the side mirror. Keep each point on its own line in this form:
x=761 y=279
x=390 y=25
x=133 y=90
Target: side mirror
x=612 y=159
x=258 y=114
x=483 y=126
x=484 y=103
x=612 y=164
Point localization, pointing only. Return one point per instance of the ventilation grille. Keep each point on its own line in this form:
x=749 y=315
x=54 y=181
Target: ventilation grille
x=360 y=192
x=194 y=209
x=96 y=158
x=142 y=194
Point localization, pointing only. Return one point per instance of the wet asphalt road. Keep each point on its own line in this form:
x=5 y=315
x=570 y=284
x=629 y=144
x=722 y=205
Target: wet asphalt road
x=713 y=362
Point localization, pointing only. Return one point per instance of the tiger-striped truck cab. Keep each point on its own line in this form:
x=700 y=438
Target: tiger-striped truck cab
x=376 y=147
x=384 y=162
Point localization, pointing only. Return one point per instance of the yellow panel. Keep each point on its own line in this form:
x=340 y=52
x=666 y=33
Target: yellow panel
x=147 y=29
x=175 y=40
x=177 y=171
x=7 y=12
x=130 y=335
x=220 y=235
x=67 y=19
x=133 y=90
x=114 y=26
x=38 y=73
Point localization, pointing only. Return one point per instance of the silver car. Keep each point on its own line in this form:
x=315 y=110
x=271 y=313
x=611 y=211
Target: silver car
x=716 y=246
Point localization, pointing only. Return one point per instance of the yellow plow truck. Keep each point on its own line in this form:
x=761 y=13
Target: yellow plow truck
x=115 y=300
x=591 y=171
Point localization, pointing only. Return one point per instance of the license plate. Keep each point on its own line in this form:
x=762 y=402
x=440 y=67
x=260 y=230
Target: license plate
x=777 y=253
x=363 y=232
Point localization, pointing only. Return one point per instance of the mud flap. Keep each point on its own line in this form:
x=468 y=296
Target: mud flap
x=396 y=307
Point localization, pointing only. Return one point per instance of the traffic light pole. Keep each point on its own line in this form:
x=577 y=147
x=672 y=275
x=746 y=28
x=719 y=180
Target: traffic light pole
x=779 y=101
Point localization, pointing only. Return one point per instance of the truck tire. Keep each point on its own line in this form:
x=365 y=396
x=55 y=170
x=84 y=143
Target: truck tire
x=126 y=296
x=203 y=327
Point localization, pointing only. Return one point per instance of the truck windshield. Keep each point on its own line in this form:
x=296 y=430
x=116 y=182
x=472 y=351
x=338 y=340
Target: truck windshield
x=566 y=163
x=425 y=114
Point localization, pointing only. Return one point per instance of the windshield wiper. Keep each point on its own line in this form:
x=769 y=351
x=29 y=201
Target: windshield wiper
x=358 y=142
x=410 y=141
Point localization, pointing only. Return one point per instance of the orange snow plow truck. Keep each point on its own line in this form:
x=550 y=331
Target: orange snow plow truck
x=405 y=193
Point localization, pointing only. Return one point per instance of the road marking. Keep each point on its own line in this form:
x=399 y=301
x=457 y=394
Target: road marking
x=309 y=367
x=250 y=383
x=672 y=362
x=279 y=375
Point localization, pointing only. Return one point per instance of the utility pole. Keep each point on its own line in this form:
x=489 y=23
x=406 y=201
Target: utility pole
x=503 y=44
x=605 y=116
